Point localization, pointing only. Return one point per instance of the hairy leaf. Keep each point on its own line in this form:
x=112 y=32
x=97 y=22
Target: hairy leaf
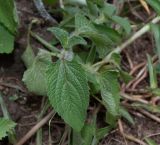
x=61 y=35
x=6 y=40
x=82 y=24
x=124 y=23
x=110 y=91
x=68 y=92
x=6 y=126
x=35 y=76
x=109 y=9
x=86 y=29
x=75 y=40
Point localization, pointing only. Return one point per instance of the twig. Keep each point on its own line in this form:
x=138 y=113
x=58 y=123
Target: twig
x=12 y=86
x=35 y=128
x=138 y=99
x=61 y=4
x=139 y=80
x=151 y=135
x=122 y=130
x=43 y=12
x=129 y=137
x=135 y=36
x=134 y=139
x=152 y=116
x=129 y=60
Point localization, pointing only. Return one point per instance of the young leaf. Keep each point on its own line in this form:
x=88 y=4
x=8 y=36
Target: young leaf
x=68 y=92
x=82 y=24
x=150 y=141
x=75 y=40
x=28 y=56
x=61 y=35
x=35 y=76
x=108 y=32
x=6 y=126
x=110 y=91
x=109 y=9
x=124 y=23
x=6 y=40
x=152 y=73
x=86 y=29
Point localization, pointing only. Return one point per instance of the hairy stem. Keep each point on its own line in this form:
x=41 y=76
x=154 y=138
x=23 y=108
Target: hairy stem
x=135 y=36
x=44 y=42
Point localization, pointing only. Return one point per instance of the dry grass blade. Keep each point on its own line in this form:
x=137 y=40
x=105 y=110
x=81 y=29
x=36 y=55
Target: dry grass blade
x=144 y=4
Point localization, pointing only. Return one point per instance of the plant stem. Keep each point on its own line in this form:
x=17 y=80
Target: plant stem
x=135 y=36
x=45 y=43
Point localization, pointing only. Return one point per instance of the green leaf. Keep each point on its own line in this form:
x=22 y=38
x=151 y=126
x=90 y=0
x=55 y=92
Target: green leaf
x=93 y=9
x=75 y=40
x=110 y=91
x=6 y=126
x=124 y=113
x=28 y=56
x=82 y=24
x=108 y=32
x=8 y=15
x=86 y=29
x=155 y=4
x=87 y=133
x=124 y=23
x=61 y=35
x=152 y=73
x=68 y=92
x=111 y=119
x=156 y=32
x=103 y=132
x=35 y=76
x=109 y=9
x=91 y=56
x=125 y=76
x=150 y=141
x=6 y=40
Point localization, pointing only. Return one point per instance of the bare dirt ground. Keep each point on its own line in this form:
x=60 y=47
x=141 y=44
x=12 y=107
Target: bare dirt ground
x=25 y=109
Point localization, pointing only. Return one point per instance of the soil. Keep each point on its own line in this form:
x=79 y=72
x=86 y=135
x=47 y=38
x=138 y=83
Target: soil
x=25 y=108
